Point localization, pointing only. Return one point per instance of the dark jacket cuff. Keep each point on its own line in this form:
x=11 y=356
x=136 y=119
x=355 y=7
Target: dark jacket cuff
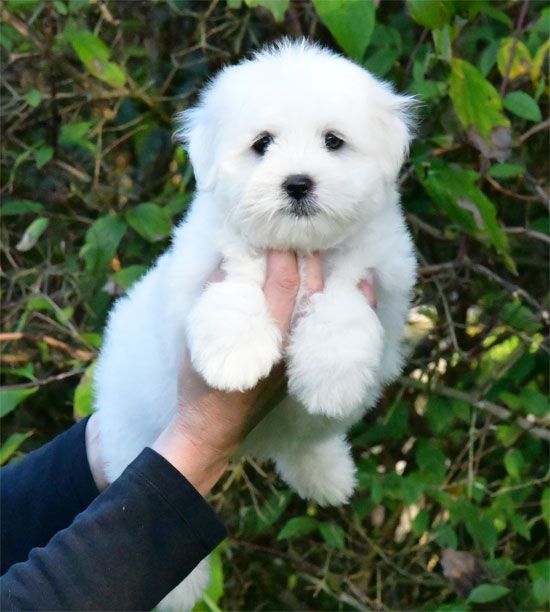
x=170 y=484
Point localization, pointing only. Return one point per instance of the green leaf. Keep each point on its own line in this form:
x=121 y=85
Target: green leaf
x=485 y=593
x=430 y=459
x=539 y=573
x=32 y=234
x=94 y=54
x=215 y=589
x=545 y=505
x=421 y=522
x=351 y=22
x=33 y=98
x=535 y=402
x=43 y=155
x=126 y=277
x=102 y=240
x=333 y=534
x=262 y=518
x=432 y=14
x=446 y=536
x=298 y=526
x=83 y=404
x=150 y=221
x=506 y=170
x=73 y=134
x=11 y=398
x=439 y=414
x=455 y=190
x=475 y=100
x=19 y=207
x=520 y=525
x=522 y=105
x=508 y=434
x=12 y=444
x=514 y=462
x=277 y=7
x=60 y=7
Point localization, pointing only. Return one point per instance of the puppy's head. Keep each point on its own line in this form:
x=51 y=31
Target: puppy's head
x=298 y=144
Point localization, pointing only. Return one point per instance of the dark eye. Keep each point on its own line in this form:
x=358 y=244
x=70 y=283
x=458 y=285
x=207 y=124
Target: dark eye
x=332 y=142
x=261 y=145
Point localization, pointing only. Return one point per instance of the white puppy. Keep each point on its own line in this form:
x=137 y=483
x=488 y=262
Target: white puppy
x=296 y=149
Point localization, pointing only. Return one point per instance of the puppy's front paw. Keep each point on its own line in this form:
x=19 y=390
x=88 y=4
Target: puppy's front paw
x=232 y=338
x=334 y=354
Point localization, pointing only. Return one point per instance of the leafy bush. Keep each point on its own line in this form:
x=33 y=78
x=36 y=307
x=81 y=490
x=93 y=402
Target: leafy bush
x=456 y=455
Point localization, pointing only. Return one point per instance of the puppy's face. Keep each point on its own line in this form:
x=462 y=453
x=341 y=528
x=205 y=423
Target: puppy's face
x=298 y=145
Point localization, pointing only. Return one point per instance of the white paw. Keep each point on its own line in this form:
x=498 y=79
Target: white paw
x=231 y=336
x=323 y=473
x=334 y=354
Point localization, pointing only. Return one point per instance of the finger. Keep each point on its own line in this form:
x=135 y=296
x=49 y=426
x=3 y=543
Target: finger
x=313 y=270
x=218 y=274
x=281 y=286
x=367 y=287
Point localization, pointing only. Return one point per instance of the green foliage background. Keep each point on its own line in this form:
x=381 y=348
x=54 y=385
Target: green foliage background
x=456 y=454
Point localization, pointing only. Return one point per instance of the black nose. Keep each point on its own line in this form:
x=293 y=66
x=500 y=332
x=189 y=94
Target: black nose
x=298 y=186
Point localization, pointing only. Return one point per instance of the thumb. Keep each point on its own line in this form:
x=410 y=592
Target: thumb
x=281 y=286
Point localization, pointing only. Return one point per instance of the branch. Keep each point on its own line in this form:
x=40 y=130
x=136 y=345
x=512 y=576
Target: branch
x=53 y=342
x=496 y=410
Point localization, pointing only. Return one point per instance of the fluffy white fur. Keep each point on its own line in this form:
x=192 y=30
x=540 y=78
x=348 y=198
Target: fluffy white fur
x=341 y=351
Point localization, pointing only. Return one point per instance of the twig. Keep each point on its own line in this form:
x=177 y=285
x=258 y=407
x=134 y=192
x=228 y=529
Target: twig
x=543 y=125
x=44 y=381
x=528 y=232
x=511 y=194
x=511 y=287
x=53 y=342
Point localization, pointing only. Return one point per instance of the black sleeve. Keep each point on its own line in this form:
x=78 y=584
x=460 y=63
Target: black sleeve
x=42 y=493
x=128 y=550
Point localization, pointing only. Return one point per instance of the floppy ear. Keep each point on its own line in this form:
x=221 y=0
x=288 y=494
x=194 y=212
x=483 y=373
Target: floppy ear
x=397 y=123
x=197 y=131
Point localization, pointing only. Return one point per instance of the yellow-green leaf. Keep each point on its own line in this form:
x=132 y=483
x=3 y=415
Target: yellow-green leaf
x=32 y=234
x=84 y=394
x=475 y=100
x=522 y=62
x=33 y=98
x=94 y=54
x=12 y=444
x=11 y=398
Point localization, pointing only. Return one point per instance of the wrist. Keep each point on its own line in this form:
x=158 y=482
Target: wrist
x=200 y=464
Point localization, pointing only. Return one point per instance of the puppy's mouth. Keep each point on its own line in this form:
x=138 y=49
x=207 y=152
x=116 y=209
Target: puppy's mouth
x=301 y=208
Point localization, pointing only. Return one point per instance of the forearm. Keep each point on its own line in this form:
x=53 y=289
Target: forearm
x=43 y=492
x=134 y=544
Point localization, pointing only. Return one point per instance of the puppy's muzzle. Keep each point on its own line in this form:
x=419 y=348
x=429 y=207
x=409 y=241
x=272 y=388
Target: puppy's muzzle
x=298 y=187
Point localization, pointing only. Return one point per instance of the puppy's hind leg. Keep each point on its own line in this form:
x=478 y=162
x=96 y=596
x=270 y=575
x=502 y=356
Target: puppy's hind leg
x=189 y=591
x=322 y=471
